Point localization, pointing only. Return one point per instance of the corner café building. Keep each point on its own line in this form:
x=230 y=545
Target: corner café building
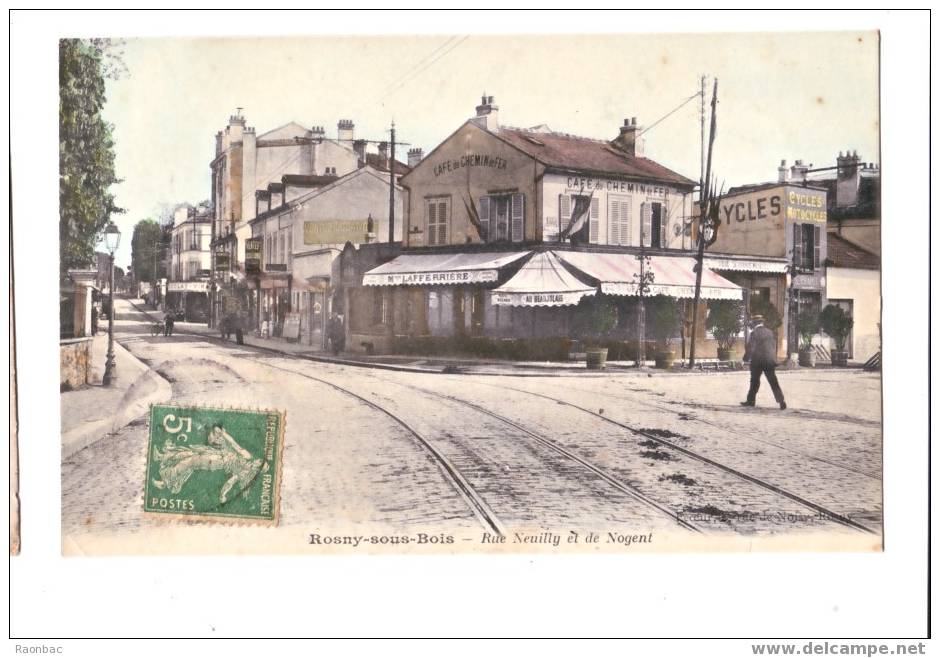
x=508 y=229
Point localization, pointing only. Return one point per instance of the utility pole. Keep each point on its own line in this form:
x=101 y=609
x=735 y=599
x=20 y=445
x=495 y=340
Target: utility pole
x=701 y=186
x=391 y=187
x=705 y=206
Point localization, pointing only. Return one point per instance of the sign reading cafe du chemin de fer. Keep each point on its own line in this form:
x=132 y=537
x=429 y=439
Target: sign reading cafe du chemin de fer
x=469 y=160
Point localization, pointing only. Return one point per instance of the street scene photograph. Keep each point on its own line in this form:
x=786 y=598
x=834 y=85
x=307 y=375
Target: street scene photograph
x=470 y=293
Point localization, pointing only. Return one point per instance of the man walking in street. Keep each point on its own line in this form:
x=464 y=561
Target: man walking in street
x=761 y=351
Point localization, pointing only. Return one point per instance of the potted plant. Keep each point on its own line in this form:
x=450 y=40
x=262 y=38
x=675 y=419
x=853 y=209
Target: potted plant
x=662 y=315
x=837 y=324
x=807 y=326
x=596 y=317
x=725 y=323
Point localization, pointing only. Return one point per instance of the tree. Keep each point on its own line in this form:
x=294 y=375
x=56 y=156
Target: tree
x=148 y=250
x=837 y=324
x=86 y=149
x=724 y=321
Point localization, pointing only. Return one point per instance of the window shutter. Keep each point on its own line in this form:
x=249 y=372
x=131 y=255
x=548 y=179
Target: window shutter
x=485 y=218
x=797 y=246
x=662 y=226
x=564 y=212
x=816 y=240
x=646 y=219
x=613 y=219
x=626 y=221
x=432 y=222
x=594 y=220
x=518 y=217
x=442 y=213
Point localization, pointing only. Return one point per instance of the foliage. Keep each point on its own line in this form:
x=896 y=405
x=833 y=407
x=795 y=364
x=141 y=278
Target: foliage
x=807 y=325
x=86 y=151
x=595 y=318
x=766 y=309
x=837 y=324
x=148 y=247
x=662 y=317
x=724 y=321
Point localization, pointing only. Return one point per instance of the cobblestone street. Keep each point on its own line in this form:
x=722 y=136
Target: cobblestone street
x=401 y=453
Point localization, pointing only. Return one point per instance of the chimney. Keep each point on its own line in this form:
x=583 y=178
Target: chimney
x=359 y=146
x=798 y=172
x=782 y=172
x=236 y=126
x=487 y=114
x=383 y=151
x=414 y=157
x=847 y=179
x=317 y=132
x=345 y=130
x=628 y=142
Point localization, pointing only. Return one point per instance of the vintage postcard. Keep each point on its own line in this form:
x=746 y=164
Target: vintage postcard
x=471 y=294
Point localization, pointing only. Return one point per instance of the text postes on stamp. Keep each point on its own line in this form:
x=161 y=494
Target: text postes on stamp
x=214 y=464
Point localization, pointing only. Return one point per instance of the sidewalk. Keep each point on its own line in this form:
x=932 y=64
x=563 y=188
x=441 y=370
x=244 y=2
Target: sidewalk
x=95 y=411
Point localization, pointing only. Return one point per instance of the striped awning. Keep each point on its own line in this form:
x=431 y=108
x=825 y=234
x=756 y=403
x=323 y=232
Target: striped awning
x=441 y=269
x=542 y=281
x=673 y=276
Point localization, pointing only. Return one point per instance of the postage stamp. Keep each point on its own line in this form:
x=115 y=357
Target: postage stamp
x=214 y=464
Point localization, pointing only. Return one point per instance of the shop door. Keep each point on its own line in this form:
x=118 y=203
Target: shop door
x=477 y=312
x=316 y=315
x=460 y=313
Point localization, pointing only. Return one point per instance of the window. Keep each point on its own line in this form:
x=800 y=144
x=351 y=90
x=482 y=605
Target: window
x=654 y=225
x=806 y=242
x=380 y=307
x=618 y=217
x=438 y=210
x=502 y=217
x=577 y=204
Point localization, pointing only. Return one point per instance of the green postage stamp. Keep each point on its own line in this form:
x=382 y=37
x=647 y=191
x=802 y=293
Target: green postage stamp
x=214 y=464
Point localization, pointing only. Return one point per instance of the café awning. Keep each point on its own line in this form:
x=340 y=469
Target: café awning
x=542 y=281
x=441 y=269
x=673 y=276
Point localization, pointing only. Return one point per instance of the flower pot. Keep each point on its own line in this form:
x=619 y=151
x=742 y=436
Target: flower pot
x=665 y=358
x=723 y=354
x=840 y=357
x=596 y=358
x=808 y=357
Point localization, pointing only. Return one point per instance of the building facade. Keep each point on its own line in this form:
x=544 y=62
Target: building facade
x=248 y=173
x=187 y=290
x=508 y=231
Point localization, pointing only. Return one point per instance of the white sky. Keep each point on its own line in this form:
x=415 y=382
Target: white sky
x=782 y=96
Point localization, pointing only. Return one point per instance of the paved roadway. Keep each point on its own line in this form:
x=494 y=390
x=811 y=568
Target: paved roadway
x=474 y=456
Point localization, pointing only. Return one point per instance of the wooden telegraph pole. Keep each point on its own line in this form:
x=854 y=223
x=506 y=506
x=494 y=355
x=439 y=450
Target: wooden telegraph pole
x=391 y=187
x=707 y=216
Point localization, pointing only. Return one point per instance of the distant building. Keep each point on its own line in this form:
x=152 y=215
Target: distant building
x=190 y=262
x=247 y=175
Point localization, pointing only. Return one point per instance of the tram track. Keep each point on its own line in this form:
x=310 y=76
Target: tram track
x=820 y=509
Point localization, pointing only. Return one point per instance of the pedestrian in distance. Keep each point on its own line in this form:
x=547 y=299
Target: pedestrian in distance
x=761 y=351
x=336 y=333
x=169 y=320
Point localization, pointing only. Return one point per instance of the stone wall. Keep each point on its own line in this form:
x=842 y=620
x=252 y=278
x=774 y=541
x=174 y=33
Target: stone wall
x=74 y=362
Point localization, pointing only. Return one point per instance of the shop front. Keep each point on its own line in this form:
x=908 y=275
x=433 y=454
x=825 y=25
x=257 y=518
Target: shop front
x=189 y=299
x=274 y=303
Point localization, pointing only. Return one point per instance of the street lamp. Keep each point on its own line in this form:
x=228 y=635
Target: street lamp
x=112 y=238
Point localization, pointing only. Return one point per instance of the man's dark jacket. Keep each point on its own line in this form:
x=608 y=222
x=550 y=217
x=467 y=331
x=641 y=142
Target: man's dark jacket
x=761 y=347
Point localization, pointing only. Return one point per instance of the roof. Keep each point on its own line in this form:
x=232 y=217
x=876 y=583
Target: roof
x=757 y=187
x=842 y=253
x=380 y=163
x=868 y=204
x=301 y=180
x=570 y=152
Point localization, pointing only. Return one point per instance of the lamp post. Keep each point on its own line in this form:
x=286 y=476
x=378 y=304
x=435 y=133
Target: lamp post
x=112 y=238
